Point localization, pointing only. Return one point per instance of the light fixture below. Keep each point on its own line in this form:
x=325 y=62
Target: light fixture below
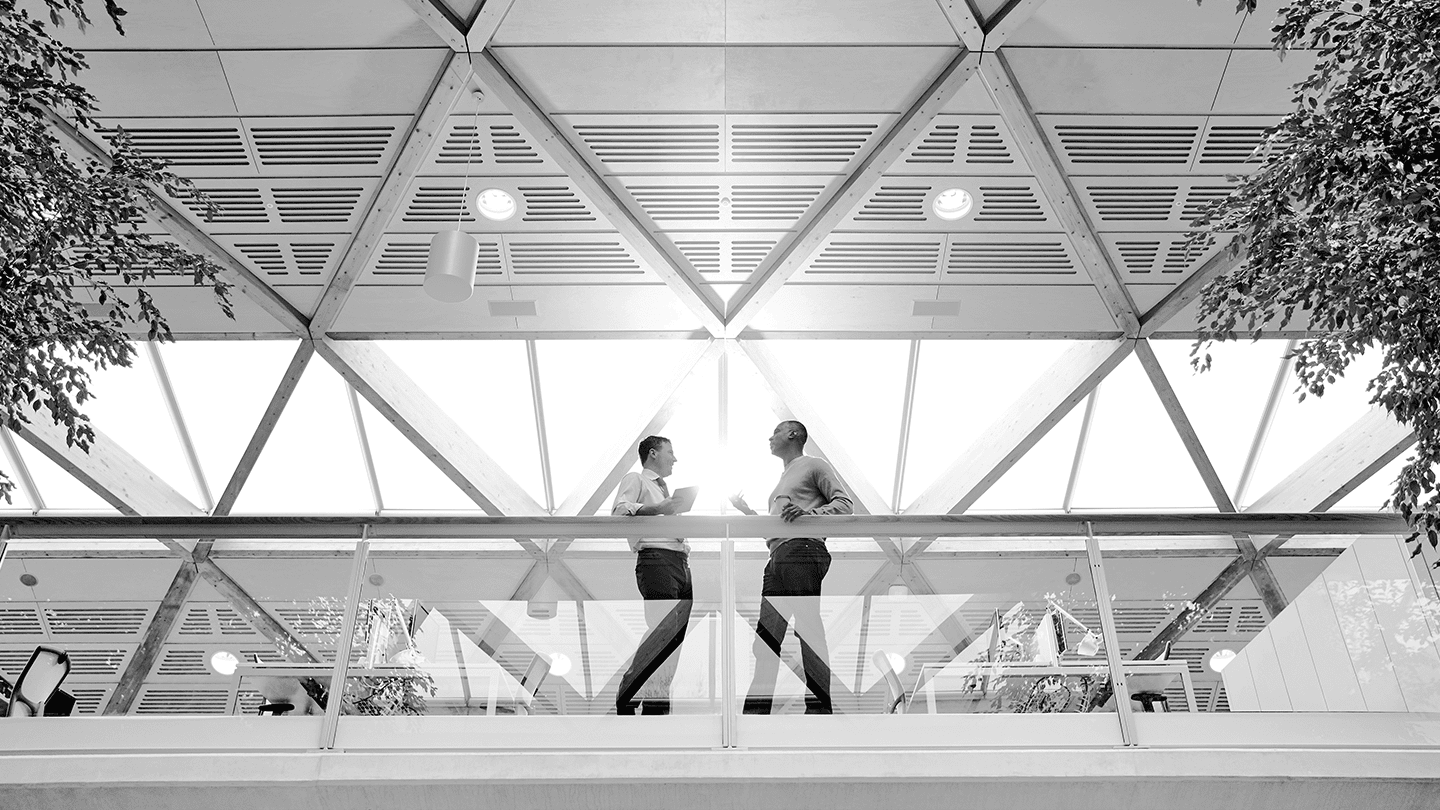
x=952 y=203
x=450 y=269
x=495 y=204
x=224 y=662
x=560 y=664
x=1221 y=659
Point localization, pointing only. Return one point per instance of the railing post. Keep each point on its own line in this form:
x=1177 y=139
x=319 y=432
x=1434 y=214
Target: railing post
x=728 y=735
x=1112 y=638
x=333 y=703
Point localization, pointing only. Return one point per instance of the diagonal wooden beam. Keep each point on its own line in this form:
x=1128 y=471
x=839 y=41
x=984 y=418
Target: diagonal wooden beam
x=634 y=226
x=268 y=420
x=1181 y=421
x=1069 y=380
x=143 y=660
x=965 y=22
x=109 y=471
x=1188 y=290
x=1007 y=21
x=189 y=236
x=417 y=142
x=1373 y=441
x=1055 y=185
x=795 y=250
x=487 y=22
x=381 y=381
x=442 y=21
x=602 y=478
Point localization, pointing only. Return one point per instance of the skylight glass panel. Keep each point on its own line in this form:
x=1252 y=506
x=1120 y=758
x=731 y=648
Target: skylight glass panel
x=129 y=408
x=1134 y=459
x=1376 y=490
x=1225 y=403
x=408 y=480
x=1037 y=481
x=58 y=488
x=749 y=467
x=18 y=502
x=484 y=385
x=312 y=462
x=962 y=387
x=694 y=431
x=223 y=388
x=1301 y=429
x=858 y=388
x=598 y=392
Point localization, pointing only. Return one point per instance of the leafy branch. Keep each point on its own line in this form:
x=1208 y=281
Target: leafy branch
x=74 y=258
x=1340 y=225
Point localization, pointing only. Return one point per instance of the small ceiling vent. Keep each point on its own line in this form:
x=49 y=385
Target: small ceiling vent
x=311 y=258
x=895 y=203
x=778 y=202
x=1184 y=254
x=1138 y=255
x=703 y=254
x=665 y=203
x=1009 y=204
x=461 y=146
x=1230 y=144
x=1085 y=144
x=19 y=622
x=232 y=623
x=95 y=621
x=1250 y=620
x=87 y=701
x=1141 y=619
x=322 y=146
x=183 y=663
x=184 y=701
x=1009 y=258
x=554 y=204
x=1216 y=621
x=315 y=205
x=188 y=146
x=798 y=143
x=265 y=255
x=1200 y=197
x=233 y=205
x=399 y=259
x=618 y=144
x=972 y=144
x=542 y=258
x=844 y=256
x=439 y=204
x=509 y=146
x=747 y=254
x=1133 y=203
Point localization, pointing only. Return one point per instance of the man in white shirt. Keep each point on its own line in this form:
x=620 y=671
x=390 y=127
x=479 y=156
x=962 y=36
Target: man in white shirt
x=662 y=572
x=807 y=486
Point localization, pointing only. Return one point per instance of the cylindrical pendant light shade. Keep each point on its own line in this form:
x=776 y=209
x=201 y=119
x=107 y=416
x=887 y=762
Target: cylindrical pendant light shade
x=450 y=270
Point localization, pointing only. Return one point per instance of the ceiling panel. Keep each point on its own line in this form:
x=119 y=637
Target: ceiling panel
x=620 y=79
x=143 y=83
x=315 y=24
x=814 y=307
x=1259 y=82
x=335 y=82
x=1130 y=22
x=193 y=309
x=1131 y=80
x=433 y=204
x=548 y=258
x=560 y=308
x=1149 y=257
x=486 y=144
x=724 y=202
x=288 y=205
x=155 y=24
x=1147 y=203
x=909 y=22
x=619 y=22
x=903 y=202
x=963 y=145
x=830 y=79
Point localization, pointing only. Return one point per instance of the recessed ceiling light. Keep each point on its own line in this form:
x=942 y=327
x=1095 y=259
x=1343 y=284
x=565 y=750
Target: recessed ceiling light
x=377 y=580
x=952 y=203
x=1221 y=659
x=224 y=662
x=29 y=580
x=560 y=664
x=496 y=204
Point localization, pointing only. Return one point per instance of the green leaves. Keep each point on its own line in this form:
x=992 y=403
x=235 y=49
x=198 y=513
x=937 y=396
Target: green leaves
x=1341 y=224
x=74 y=261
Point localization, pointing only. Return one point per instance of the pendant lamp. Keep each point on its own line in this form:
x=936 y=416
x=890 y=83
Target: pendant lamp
x=450 y=267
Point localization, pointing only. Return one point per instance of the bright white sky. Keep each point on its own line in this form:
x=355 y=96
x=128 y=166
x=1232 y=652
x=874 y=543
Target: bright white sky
x=597 y=393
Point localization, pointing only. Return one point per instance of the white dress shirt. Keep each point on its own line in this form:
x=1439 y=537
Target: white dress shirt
x=644 y=488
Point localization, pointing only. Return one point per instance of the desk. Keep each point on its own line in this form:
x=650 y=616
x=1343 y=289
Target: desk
x=953 y=682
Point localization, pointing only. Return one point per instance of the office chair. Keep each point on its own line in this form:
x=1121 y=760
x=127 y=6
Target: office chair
x=38 y=682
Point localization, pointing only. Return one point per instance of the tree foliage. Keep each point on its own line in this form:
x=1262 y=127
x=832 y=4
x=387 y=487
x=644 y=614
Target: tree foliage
x=1340 y=226
x=73 y=255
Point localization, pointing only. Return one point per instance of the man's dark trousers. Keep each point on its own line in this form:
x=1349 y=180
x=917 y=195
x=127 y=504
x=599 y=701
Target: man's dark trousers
x=663 y=577
x=793 y=575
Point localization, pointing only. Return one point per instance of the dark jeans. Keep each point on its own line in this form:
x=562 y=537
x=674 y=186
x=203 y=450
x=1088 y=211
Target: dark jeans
x=793 y=578
x=663 y=577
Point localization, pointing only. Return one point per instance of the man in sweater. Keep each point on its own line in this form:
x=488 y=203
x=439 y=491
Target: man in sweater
x=662 y=572
x=791 y=587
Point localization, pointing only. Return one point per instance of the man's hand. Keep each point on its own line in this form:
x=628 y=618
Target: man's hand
x=665 y=507
x=790 y=511
x=738 y=501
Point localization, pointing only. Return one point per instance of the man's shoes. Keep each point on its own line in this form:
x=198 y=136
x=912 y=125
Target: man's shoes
x=626 y=708
x=756 y=706
x=655 y=707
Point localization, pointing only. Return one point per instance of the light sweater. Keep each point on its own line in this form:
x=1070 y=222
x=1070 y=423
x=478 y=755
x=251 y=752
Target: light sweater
x=811 y=484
